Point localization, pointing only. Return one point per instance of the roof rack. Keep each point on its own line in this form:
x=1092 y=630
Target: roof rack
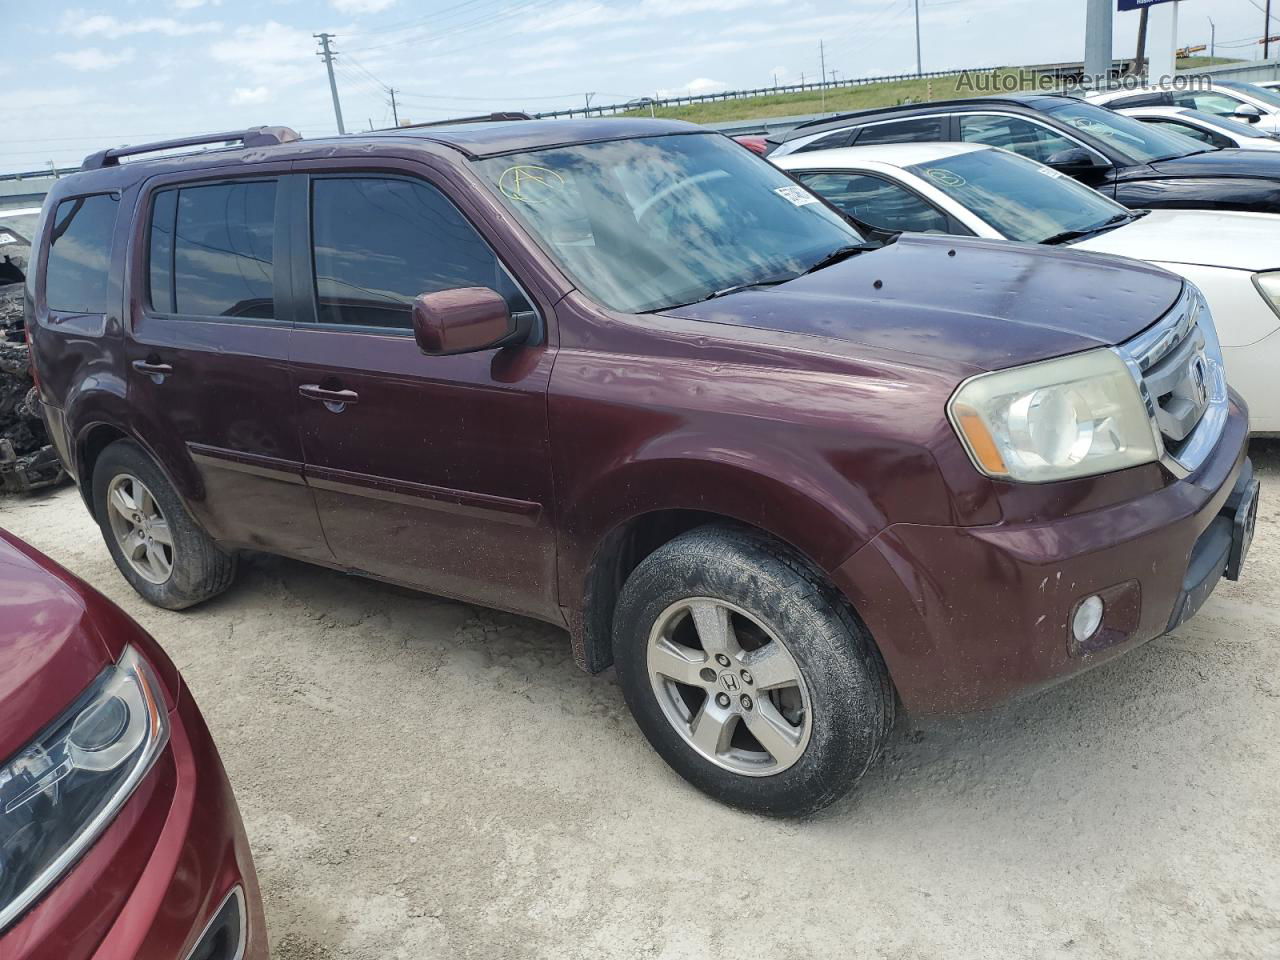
x=479 y=118
x=252 y=137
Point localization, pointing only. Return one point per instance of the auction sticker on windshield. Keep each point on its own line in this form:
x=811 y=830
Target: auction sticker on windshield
x=799 y=196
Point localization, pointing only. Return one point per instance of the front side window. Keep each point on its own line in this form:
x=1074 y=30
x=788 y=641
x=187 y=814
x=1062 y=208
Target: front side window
x=655 y=222
x=80 y=254
x=878 y=202
x=1132 y=139
x=380 y=243
x=1022 y=200
x=920 y=130
x=1187 y=130
x=212 y=250
x=1025 y=137
x=1207 y=101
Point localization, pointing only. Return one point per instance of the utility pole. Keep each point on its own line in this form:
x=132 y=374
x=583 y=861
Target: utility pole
x=822 y=77
x=327 y=55
x=1141 y=55
x=1266 y=34
x=395 y=115
x=919 y=59
x=1099 y=26
x=1213 y=39
x=587 y=97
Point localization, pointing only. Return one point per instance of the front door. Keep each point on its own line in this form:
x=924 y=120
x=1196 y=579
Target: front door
x=208 y=362
x=429 y=471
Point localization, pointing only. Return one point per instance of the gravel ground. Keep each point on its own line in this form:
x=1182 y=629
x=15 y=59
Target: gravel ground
x=426 y=779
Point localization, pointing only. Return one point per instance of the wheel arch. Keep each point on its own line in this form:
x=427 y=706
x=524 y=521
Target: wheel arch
x=813 y=528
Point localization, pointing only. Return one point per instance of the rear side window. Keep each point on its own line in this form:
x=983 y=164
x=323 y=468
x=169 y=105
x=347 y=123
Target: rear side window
x=212 y=250
x=841 y=138
x=80 y=253
x=380 y=243
x=922 y=130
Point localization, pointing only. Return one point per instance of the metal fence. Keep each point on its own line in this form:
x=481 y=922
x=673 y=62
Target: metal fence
x=655 y=103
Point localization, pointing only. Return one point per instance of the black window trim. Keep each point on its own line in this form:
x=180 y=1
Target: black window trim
x=305 y=302
x=956 y=227
x=144 y=249
x=46 y=241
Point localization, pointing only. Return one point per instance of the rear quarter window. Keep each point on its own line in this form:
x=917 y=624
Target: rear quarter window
x=80 y=254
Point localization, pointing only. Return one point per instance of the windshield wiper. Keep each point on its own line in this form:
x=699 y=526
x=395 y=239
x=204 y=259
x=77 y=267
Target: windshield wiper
x=841 y=253
x=725 y=291
x=1066 y=236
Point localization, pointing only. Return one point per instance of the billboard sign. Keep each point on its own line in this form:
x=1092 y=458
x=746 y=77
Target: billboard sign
x=1123 y=5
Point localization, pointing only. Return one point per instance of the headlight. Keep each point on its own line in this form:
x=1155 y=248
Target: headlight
x=1071 y=417
x=58 y=794
x=1268 y=285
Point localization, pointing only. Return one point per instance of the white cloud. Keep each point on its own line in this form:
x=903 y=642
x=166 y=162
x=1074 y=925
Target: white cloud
x=79 y=23
x=270 y=54
x=357 y=7
x=696 y=87
x=194 y=4
x=91 y=58
x=250 y=95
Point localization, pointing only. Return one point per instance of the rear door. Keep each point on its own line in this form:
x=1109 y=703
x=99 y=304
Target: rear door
x=435 y=471
x=208 y=360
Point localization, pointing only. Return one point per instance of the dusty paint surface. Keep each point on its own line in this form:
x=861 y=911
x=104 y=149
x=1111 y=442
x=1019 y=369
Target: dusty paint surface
x=425 y=779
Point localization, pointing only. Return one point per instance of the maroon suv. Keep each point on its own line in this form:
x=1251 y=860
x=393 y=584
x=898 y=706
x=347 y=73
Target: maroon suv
x=624 y=376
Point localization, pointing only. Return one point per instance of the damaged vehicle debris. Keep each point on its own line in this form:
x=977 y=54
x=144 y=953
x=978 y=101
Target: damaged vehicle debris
x=27 y=460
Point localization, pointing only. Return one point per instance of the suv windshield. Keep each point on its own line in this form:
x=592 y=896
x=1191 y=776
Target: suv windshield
x=1020 y=198
x=1134 y=140
x=655 y=222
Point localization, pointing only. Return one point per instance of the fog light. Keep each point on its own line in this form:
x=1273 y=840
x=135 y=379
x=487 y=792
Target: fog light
x=1087 y=619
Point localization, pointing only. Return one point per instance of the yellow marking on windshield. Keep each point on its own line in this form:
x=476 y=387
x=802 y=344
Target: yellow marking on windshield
x=525 y=182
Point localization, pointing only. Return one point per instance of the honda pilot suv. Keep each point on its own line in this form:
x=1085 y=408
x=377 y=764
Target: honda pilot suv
x=626 y=377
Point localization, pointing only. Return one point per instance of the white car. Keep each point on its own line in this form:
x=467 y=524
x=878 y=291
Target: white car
x=976 y=190
x=1224 y=98
x=1222 y=132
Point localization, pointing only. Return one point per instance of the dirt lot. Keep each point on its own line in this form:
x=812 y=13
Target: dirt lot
x=424 y=779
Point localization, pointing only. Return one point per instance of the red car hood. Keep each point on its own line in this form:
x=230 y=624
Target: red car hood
x=50 y=650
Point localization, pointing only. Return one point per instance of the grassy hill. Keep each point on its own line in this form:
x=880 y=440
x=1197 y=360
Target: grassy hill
x=861 y=97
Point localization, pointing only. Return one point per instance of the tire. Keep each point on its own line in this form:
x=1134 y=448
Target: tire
x=196 y=567
x=838 y=713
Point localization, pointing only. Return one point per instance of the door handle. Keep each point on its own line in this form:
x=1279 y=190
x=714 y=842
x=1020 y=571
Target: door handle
x=154 y=369
x=334 y=400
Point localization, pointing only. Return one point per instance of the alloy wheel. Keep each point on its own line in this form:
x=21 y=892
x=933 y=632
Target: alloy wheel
x=140 y=528
x=729 y=686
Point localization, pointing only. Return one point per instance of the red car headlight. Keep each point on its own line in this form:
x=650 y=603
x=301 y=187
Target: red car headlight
x=60 y=792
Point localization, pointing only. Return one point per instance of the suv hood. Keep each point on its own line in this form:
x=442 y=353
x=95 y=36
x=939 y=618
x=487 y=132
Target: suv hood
x=1206 y=238
x=987 y=304
x=49 y=650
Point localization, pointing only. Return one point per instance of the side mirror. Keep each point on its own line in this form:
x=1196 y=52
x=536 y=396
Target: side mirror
x=1248 y=113
x=1073 y=161
x=465 y=320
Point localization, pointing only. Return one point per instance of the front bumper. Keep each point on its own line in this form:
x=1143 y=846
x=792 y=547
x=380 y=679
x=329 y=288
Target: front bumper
x=151 y=885
x=966 y=617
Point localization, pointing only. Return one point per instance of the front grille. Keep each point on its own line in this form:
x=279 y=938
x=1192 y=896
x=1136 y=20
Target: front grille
x=1178 y=366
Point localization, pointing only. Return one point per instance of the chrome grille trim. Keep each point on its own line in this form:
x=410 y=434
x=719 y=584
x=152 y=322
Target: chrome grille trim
x=1177 y=365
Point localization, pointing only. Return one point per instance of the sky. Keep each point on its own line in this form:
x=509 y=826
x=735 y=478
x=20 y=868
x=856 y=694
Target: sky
x=78 y=77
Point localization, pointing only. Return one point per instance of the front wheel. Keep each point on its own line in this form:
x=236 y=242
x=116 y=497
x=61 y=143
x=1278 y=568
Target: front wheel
x=748 y=674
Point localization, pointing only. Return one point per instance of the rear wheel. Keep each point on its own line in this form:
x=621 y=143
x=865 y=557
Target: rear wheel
x=748 y=674
x=156 y=545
